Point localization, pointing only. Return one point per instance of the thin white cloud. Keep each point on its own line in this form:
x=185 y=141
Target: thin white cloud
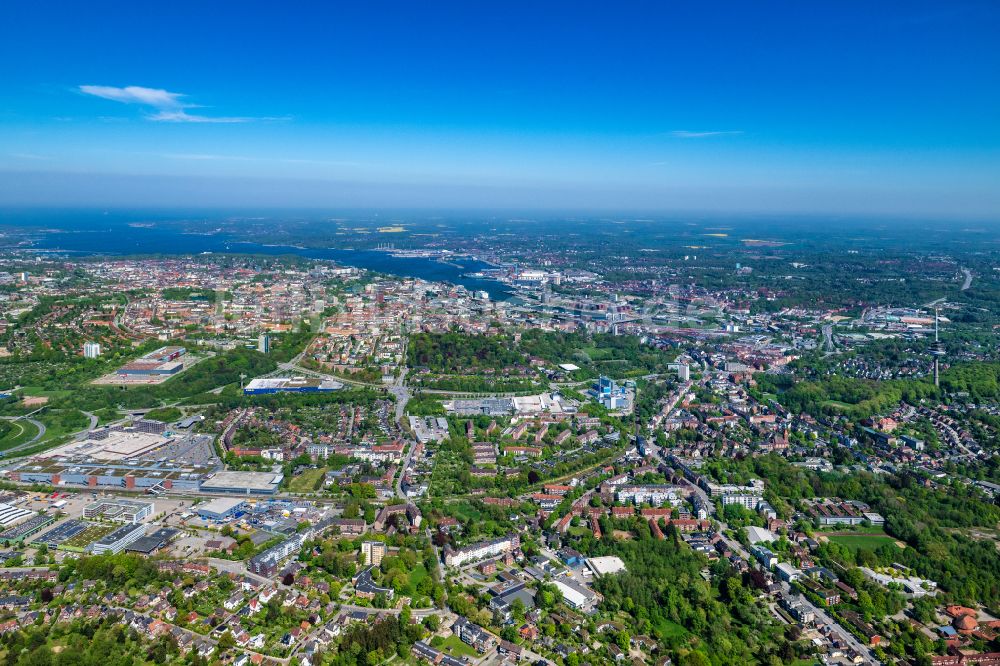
x=169 y=107
x=182 y=116
x=686 y=134
x=157 y=97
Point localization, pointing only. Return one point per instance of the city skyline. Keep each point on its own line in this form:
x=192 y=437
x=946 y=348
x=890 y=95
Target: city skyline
x=885 y=110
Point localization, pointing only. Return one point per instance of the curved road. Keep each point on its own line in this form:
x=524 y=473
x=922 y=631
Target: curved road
x=24 y=445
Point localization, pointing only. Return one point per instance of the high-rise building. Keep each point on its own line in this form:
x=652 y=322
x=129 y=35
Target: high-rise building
x=608 y=393
x=264 y=343
x=683 y=371
x=373 y=552
x=91 y=349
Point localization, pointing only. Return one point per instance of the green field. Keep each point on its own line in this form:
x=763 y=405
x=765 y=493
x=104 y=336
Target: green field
x=307 y=481
x=454 y=646
x=596 y=354
x=667 y=630
x=38 y=391
x=418 y=574
x=854 y=529
x=467 y=512
x=20 y=432
x=858 y=542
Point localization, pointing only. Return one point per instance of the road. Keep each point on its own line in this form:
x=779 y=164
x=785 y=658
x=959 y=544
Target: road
x=30 y=442
x=402 y=395
x=293 y=366
x=821 y=615
x=828 y=338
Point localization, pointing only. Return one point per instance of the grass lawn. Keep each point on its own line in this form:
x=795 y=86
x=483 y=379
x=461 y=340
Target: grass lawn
x=667 y=630
x=20 y=432
x=38 y=391
x=467 y=512
x=596 y=354
x=418 y=574
x=856 y=529
x=307 y=481
x=858 y=542
x=60 y=423
x=454 y=646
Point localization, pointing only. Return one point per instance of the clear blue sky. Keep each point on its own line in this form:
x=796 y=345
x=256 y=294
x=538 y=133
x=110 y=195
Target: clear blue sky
x=841 y=107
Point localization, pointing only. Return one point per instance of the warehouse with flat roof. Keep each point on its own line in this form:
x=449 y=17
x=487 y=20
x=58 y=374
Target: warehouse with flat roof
x=243 y=483
x=269 y=385
x=116 y=541
x=602 y=566
x=13 y=514
x=220 y=508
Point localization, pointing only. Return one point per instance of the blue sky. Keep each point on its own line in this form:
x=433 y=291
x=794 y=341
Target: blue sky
x=839 y=107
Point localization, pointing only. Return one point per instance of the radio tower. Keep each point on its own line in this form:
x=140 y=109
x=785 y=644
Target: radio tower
x=937 y=350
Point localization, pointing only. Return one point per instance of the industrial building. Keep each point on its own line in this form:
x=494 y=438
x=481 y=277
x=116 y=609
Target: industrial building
x=109 y=445
x=116 y=541
x=243 y=483
x=163 y=361
x=9 y=515
x=604 y=566
x=22 y=531
x=119 y=510
x=123 y=458
x=221 y=508
x=147 y=545
x=270 y=385
x=576 y=595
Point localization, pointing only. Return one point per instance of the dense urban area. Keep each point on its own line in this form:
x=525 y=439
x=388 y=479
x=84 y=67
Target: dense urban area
x=604 y=442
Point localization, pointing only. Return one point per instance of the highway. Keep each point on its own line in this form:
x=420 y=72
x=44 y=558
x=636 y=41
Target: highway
x=30 y=442
x=968 y=278
x=828 y=344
